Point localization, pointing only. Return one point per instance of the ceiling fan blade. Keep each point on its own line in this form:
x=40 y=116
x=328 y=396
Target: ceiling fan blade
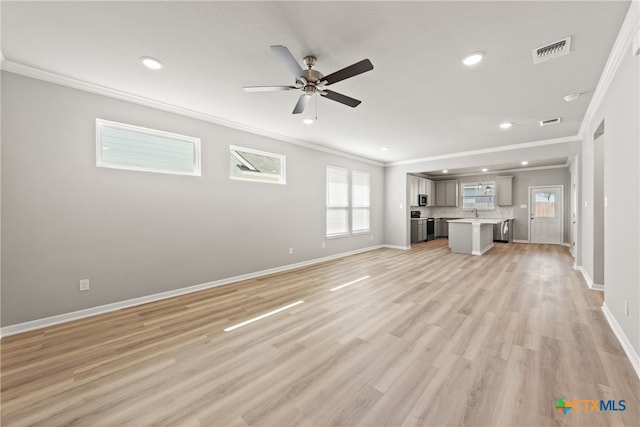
x=338 y=97
x=289 y=60
x=267 y=88
x=350 y=71
x=302 y=103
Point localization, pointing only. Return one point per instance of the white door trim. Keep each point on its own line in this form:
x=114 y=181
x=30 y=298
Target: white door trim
x=561 y=192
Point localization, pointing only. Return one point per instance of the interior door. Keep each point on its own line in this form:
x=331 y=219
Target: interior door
x=546 y=214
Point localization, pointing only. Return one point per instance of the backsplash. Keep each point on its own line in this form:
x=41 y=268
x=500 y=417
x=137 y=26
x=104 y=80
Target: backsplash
x=500 y=212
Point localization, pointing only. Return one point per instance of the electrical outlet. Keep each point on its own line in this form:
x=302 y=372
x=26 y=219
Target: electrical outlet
x=626 y=308
x=372 y=237
x=84 y=285
x=324 y=244
x=290 y=250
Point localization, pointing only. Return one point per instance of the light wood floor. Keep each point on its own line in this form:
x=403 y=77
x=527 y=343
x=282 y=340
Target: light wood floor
x=431 y=338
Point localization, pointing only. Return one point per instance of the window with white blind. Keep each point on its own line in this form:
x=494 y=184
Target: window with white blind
x=124 y=146
x=337 y=201
x=348 y=202
x=360 y=204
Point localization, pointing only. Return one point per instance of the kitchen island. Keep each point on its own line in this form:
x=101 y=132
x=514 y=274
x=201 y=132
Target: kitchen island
x=471 y=236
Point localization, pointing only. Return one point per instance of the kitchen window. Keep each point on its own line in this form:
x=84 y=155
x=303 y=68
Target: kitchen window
x=478 y=195
x=124 y=146
x=252 y=165
x=348 y=202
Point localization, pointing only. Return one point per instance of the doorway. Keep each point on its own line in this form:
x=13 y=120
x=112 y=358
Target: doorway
x=598 y=207
x=546 y=219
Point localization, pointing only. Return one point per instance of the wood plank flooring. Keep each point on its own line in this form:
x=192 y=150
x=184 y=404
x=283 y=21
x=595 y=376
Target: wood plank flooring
x=432 y=338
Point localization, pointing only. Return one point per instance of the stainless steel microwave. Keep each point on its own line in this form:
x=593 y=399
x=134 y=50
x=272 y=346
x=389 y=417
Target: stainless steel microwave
x=423 y=200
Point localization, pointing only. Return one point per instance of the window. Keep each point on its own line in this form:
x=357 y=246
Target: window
x=253 y=165
x=348 y=209
x=337 y=201
x=360 y=206
x=545 y=206
x=123 y=146
x=479 y=196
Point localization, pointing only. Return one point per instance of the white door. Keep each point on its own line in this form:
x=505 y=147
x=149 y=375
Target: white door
x=546 y=224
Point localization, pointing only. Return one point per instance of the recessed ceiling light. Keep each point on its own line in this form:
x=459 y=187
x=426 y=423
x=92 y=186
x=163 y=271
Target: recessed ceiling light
x=151 y=63
x=308 y=121
x=506 y=125
x=445 y=171
x=524 y=163
x=384 y=148
x=473 y=58
x=484 y=169
x=572 y=97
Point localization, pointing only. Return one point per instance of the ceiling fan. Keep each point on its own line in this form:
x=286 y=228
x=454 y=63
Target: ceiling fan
x=312 y=81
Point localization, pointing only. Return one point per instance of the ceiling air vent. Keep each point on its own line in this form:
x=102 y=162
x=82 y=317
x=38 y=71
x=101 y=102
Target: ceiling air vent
x=550 y=121
x=552 y=50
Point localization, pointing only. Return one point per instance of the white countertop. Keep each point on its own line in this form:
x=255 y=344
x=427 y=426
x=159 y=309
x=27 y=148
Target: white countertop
x=477 y=220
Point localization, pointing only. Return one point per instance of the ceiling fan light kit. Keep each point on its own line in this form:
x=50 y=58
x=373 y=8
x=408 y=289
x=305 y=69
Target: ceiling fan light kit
x=311 y=81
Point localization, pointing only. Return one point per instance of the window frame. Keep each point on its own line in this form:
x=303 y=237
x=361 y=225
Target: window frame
x=101 y=124
x=475 y=184
x=282 y=180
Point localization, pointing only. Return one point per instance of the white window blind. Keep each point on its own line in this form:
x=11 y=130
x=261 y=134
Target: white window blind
x=337 y=201
x=360 y=203
x=124 y=146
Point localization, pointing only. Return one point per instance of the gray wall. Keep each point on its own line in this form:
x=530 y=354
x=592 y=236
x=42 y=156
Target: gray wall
x=134 y=233
x=521 y=183
x=620 y=110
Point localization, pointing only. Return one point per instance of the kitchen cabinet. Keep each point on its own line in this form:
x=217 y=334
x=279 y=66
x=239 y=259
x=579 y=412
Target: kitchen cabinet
x=418 y=230
x=414 y=188
x=420 y=186
x=447 y=193
x=504 y=192
x=430 y=192
x=444 y=228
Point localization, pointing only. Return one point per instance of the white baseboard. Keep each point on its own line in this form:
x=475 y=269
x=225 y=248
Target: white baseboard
x=101 y=309
x=404 y=248
x=520 y=241
x=622 y=338
x=587 y=278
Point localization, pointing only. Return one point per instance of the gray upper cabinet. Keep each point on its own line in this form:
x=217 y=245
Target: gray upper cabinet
x=414 y=187
x=447 y=193
x=419 y=186
x=504 y=192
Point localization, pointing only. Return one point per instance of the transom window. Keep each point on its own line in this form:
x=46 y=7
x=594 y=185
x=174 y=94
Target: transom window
x=254 y=165
x=478 y=195
x=124 y=146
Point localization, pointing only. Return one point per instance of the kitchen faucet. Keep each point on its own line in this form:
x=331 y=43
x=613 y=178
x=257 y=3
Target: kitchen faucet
x=475 y=212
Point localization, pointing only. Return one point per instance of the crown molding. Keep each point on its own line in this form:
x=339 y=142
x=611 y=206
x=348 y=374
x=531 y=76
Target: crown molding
x=621 y=47
x=39 y=74
x=496 y=172
x=524 y=145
